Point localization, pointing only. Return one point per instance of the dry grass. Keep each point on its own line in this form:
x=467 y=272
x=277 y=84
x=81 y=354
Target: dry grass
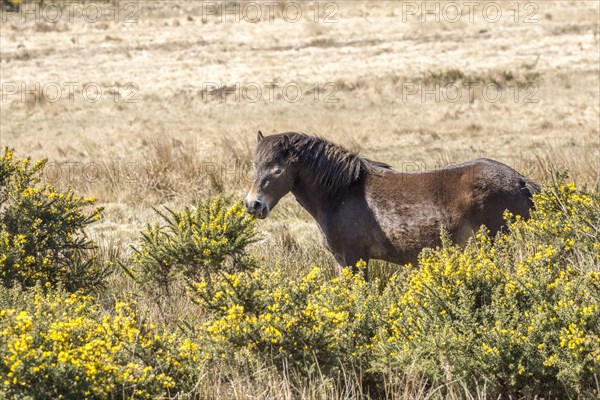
x=172 y=148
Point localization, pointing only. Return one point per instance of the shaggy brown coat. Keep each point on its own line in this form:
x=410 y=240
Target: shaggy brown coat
x=366 y=210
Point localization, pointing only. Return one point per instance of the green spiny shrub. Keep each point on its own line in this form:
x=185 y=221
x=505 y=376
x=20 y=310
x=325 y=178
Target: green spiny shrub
x=55 y=344
x=196 y=242
x=307 y=323
x=42 y=235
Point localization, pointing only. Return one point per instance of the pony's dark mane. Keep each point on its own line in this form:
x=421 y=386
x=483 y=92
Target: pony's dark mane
x=333 y=166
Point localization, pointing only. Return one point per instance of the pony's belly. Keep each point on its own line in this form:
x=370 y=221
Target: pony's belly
x=406 y=230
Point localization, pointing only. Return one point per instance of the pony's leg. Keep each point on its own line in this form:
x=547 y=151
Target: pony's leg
x=350 y=260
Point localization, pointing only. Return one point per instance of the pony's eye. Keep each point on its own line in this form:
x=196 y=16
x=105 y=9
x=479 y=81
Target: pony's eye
x=277 y=171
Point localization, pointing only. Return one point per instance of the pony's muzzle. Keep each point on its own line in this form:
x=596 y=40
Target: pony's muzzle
x=256 y=207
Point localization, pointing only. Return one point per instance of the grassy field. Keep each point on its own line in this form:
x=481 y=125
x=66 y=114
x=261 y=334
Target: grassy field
x=167 y=98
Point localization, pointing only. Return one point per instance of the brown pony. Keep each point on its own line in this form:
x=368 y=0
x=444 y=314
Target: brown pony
x=367 y=210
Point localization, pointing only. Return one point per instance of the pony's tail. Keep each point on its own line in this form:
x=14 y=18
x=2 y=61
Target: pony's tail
x=532 y=187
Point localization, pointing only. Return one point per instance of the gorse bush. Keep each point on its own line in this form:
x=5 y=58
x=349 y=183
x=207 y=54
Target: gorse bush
x=59 y=345
x=42 y=231
x=526 y=330
x=196 y=242
x=310 y=322
x=567 y=219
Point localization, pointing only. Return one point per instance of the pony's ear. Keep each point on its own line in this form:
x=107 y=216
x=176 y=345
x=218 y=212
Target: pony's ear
x=289 y=149
x=285 y=142
x=259 y=136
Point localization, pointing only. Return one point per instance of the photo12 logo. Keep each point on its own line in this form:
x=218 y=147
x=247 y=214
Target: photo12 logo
x=68 y=172
x=132 y=172
x=269 y=11
x=470 y=11
x=253 y=92
x=70 y=11
x=52 y=92
x=455 y=92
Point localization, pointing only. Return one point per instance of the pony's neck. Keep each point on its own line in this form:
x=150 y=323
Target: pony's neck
x=314 y=197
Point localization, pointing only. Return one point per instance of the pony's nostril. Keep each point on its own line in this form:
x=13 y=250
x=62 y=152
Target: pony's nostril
x=253 y=206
